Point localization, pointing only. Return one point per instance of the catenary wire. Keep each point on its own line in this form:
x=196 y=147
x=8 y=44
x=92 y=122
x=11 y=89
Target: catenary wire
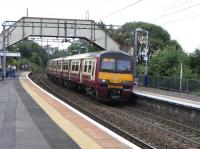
x=181 y=19
x=179 y=10
x=121 y=9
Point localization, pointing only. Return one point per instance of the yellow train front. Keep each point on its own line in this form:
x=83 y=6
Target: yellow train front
x=114 y=76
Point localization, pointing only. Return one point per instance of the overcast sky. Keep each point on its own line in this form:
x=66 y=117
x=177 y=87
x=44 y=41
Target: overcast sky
x=181 y=18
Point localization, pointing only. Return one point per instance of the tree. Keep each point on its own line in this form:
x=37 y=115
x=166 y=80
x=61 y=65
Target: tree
x=74 y=48
x=158 y=37
x=31 y=53
x=195 y=61
x=82 y=46
x=167 y=63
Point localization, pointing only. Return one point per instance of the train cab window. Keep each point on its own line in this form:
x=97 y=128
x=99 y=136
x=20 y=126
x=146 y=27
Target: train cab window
x=90 y=67
x=85 y=66
x=123 y=65
x=108 y=64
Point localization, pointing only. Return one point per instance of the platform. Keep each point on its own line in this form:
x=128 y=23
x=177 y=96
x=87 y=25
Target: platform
x=31 y=118
x=24 y=125
x=183 y=99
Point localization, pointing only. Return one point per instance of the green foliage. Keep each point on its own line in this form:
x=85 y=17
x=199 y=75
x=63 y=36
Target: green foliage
x=140 y=69
x=31 y=53
x=167 y=63
x=73 y=49
x=82 y=46
x=195 y=61
x=32 y=66
x=158 y=37
x=34 y=52
x=58 y=53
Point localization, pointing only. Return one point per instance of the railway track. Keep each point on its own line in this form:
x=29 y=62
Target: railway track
x=175 y=133
x=143 y=129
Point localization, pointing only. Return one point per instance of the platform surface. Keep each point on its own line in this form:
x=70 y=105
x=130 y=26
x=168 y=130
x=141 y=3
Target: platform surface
x=31 y=118
x=24 y=125
x=184 y=99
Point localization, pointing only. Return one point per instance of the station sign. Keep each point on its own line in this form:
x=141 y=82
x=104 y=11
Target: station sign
x=10 y=54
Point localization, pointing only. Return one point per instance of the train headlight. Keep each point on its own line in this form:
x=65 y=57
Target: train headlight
x=104 y=82
x=127 y=83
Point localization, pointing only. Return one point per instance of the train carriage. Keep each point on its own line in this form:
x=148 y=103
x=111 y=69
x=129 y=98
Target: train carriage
x=105 y=75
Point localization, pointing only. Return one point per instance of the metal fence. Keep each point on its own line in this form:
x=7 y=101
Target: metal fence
x=174 y=84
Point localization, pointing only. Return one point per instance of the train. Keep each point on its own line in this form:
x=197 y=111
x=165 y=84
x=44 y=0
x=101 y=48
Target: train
x=105 y=75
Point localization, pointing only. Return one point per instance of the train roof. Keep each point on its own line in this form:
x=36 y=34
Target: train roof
x=90 y=55
x=80 y=56
x=57 y=59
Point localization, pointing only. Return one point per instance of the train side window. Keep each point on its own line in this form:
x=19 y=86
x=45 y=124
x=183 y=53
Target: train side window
x=73 y=66
x=67 y=66
x=64 y=66
x=59 y=66
x=85 y=66
x=90 y=66
x=77 y=66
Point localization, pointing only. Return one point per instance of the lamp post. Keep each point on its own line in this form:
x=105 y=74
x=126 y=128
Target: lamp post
x=4 y=51
x=181 y=76
x=145 y=52
x=135 y=53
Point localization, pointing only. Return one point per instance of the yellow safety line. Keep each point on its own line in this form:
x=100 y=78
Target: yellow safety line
x=83 y=140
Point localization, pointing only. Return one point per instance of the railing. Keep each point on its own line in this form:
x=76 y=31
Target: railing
x=173 y=84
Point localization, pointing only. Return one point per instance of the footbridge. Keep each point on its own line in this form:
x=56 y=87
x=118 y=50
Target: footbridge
x=15 y=31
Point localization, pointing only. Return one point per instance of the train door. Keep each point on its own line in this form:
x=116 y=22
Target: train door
x=93 y=69
x=81 y=70
x=56 y=68
x=62 y=65
x=70 y=65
